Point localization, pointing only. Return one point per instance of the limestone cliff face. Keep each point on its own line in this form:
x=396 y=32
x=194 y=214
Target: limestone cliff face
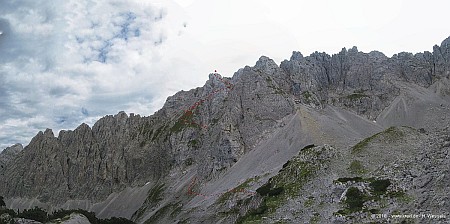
x=207 y=130
x=363 y=82
x=9 y=154
x=84 y=163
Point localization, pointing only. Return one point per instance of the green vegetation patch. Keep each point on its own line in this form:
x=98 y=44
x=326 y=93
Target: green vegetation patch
x=278 y=90
x=350 y=179
x=390 y=135
x=307 y=97
x=356 y=167
x=356 y=96
x=41 y=215
x=193 y=143
x=309 y=202
x=35 y=213
x=183 y=122
x=354 y=199
x=379 y=187
x=285 y=185
x=393 y=134
x=401 y=196
x=306 y=94
x=176 y=210
x=241 y=188
x=155 y=194
x=160 y=214
x=270 y=84
x=315 y=219
x=169 y=210
x=268 y=190
x=189 y=162
x=363 y=144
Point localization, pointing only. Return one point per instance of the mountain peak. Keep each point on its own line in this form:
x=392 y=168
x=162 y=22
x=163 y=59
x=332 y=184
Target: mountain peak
x=264 y=61
x=446 y=43
x=296 y=55
x=83 y=126
x=49 y=133
x=266 y=65
x=16 y=148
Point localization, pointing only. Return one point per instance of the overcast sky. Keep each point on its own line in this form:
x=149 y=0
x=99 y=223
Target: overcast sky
x=64 y=62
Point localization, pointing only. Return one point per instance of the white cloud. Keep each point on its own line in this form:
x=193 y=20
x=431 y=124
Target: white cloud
x=234 y=33
x=68 y=62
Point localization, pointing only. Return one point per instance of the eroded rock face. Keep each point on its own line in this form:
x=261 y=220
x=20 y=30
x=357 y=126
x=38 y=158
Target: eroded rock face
x=9 y=154
x=363 y=82
x=441 y=56
x=85 y=163
x=208 y=129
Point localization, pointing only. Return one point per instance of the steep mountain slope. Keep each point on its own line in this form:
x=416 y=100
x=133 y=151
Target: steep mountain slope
x=416 y=107
x=9 y=154
x=208 y=149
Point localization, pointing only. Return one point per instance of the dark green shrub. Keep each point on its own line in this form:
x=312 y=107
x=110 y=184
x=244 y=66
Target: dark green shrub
x=374 y=211
x=275 y=191
x=347 y=179
x=264 y=189
x=115 y=220
x=354 y=199
x=267 y=190
x=356 y=96
x=60 y=214
x=155 y=194
x=35 y=213
x=380 y=186
x=307 y=147
x=260 y=210
x=286 y=164
x=11 y=212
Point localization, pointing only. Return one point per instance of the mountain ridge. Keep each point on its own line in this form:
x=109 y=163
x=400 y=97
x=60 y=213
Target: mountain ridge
x=356 y=93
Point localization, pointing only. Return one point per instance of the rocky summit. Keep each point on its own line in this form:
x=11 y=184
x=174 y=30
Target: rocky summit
x=351 y=137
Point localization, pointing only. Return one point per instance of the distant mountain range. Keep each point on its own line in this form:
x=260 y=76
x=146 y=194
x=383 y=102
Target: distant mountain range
x=351 y=137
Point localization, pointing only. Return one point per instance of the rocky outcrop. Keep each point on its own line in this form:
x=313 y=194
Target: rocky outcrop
x=363 y=82
x=441 y=59
x=9 y=154
x=84 y=163
x=380 y=178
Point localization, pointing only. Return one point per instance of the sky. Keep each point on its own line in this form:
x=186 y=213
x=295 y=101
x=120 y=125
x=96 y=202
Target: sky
x=65 y=62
